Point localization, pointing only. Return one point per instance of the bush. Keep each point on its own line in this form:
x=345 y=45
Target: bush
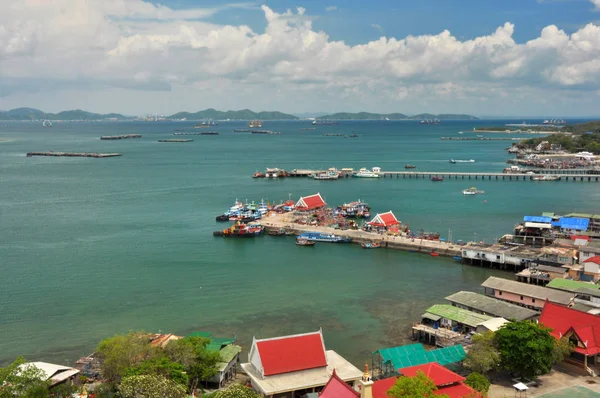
x=479 y=382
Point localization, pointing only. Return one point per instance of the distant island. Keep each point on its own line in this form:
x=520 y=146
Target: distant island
x=77 y=114
x=244 y=114
x=394 y=116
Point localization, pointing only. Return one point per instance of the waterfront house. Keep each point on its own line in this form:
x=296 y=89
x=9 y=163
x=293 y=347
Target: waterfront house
x=541 y=274
x=582 y=329
x=487 y=305
x=572 y=286
x=384 y=221
x=591 y=269
x=283 y=367
x=594 y=220
x=506 y=256
x=526 y=295
x=230 y=356
x=455 y=318
x=54 y=374
x=310 y=203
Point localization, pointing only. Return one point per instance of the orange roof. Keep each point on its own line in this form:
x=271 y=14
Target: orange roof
x=563 y=320
x=310 y=202
x=440 y=375
x=384 y=220
x=337 y=388
x=292 y=353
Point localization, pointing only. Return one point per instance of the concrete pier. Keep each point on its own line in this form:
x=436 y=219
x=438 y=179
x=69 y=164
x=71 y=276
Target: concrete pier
x=74 y=154
x=481 y=139
x=281 y=221
x=175 y=140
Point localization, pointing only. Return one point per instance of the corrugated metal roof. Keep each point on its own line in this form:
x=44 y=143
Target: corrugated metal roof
x=571 y=285
x=492 y=306
x=415 y=354
x=538 y=225
x=525 y=289
x=459 y=315
x=538 y=219
x=579 y=224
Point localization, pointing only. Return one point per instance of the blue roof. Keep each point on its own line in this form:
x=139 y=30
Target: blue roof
x=579 y=224
x=540 y=219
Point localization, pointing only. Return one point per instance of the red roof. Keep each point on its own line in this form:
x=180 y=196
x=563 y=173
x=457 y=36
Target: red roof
x=292 y=353
x=337 y=388
x=436 y=372
x=574 y=237
x=381 y=387
x=563 y=320
x=384 y=220
x=595 y=259
x=310 y=202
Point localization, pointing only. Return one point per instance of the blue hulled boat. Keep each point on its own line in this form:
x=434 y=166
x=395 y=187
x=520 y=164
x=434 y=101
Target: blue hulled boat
x=321 y=237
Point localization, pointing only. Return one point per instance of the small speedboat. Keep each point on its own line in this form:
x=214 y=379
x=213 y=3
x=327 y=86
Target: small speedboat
x=434 y=254
x=472 y=191
x=457 y=258
x=436 y=178
x=371 y=245
x=305 y=242
x=410 y=166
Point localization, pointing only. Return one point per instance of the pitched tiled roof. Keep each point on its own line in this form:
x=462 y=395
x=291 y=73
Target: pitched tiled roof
x=385 y=219
x=292 y=353
x=310 y=202
x=595 y=259
x=440 y=375
x=563 y=319
x=337 y=388
x=381 y=387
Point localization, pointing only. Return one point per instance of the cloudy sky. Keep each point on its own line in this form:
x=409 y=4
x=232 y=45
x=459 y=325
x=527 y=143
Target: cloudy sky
x=509 y=57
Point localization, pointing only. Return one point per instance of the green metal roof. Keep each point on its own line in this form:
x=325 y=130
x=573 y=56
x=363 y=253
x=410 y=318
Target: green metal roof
x=583 y=215
x=216 y=343
x=415 y=354
x=548 y=214
x=570 y=285
x=228 y=353
x=459 y=315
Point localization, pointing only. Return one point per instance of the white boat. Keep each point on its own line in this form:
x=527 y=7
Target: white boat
x=364 y=173
x=272 y=173
x=46 y=123
x=255 y=124
x=462 y=161
x=472 y=191
x=546 y=177
x=328 y=175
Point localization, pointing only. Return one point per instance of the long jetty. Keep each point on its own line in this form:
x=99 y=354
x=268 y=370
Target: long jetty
x=120 y=137
x=74 y=154
x=175 y=140
x=281 y=221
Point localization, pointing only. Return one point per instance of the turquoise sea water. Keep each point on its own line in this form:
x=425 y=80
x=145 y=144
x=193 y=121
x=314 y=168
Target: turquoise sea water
x=93 y=247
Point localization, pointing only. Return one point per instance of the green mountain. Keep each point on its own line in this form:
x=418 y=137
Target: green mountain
x=244 y=114
x=363 y=116
x=393 y=116
x=36 y=114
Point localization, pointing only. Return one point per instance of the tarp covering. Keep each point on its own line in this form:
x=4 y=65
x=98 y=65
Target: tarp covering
x=540 y=219
x=415 y=354
x=579 y=224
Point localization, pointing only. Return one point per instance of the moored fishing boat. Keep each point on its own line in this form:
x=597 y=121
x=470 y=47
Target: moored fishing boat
x=328 y=175
x=255 y=124
x=322 y=237
x=258 y=174
x=373 y=245
x=278 y=232
x=410 y=166
x=546 y=178
x=462 y=161
x=472 y=191
x=364 y=173
x=436 y=178
x=241 y=230
x=304 y=242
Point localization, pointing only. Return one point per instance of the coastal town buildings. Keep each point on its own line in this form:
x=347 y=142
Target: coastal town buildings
x=54 y=374
x=229 y=353
x=523 y=294
x=487 y=305
x=454 y=318
x=281 y=367
x=385 y=221
x=309 y=203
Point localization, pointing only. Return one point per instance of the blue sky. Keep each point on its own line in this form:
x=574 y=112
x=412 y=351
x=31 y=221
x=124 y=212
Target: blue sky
x=469 y=56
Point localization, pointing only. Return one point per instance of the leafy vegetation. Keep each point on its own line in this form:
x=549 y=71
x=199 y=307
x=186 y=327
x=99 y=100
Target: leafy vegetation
x=236 y=391
x=244 y=114
x=479 y=382
x=585 y=137
x=36 y=114
x=392 y=116
x=419 y=386
x=150 y=386
x=526 y=348
x=483 y=355
x=29 y=381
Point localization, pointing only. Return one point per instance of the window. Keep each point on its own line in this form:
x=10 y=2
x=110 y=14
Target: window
x=497 y=257
x=521 y=297
x=499 y=293
x=532 y=300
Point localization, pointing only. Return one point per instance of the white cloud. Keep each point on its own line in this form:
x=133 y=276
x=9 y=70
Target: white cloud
x=132 y=44
x=596 y=4
x=377 y=26
x=331 y=8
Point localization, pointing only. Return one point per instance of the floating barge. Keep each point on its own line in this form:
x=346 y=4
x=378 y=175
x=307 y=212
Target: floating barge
x=201 y=133
x=74 y=154
x=120 y=137
x=175 y=140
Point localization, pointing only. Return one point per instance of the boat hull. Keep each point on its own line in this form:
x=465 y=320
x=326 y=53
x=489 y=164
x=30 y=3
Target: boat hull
x=233 y=235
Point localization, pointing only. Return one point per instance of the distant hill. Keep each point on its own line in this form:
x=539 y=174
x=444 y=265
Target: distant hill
x=393 y=116
x=244 y=114
x=36 y=114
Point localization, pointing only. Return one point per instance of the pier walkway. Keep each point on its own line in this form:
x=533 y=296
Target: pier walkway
x=74 y=154
x=282 y=221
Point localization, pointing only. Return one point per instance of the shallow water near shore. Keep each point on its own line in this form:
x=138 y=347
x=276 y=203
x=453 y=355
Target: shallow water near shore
x=93 y=247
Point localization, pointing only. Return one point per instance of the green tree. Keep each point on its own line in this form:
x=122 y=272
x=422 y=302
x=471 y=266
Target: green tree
x=526 y=348
x=483 y=354
x=150 y=386
x=236 y=391
x=479 y=382
x=159 y=366
x=419 y=386
x=562 y=348
x=19 y=381
x=200 y=363
x=121 y=352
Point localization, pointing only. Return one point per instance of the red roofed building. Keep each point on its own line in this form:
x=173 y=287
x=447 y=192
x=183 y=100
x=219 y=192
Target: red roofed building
x=595 y=260
x=295 y=364
x=446 y=381
x=337 y=388
x=581 y=328
x=312 y=202
x=384 y=220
